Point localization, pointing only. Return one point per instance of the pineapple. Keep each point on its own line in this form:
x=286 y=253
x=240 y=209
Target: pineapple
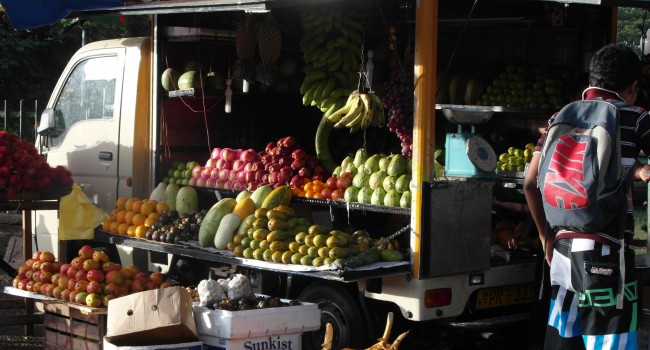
x=269 y=41
x=245 y=40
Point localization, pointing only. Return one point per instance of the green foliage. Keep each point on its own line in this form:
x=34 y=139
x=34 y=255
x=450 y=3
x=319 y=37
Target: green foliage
x=632 y=24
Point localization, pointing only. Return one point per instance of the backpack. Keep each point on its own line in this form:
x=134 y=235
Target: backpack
x=580 y=173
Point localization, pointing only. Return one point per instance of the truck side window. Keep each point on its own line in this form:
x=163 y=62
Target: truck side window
x=89 y=93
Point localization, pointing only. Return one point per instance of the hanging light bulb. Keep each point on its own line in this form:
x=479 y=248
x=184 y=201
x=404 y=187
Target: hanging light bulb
x=244 y=86
x=228 y=104
x=370 y=66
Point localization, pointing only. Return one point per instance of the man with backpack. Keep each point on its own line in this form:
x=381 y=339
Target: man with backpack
x=578 y=190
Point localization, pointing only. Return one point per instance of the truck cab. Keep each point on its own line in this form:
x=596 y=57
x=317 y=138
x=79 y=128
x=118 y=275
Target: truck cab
x=115 y=128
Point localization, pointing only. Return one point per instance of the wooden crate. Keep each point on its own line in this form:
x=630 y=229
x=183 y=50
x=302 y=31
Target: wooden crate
x=70 y=326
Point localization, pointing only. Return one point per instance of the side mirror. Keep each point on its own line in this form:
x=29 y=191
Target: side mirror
x=47 y=123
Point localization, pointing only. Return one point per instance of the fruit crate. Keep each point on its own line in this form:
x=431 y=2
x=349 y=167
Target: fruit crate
x=68 y=326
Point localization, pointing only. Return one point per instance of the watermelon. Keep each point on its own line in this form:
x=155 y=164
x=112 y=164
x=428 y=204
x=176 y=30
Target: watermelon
x=169 y=79
x=189 y=80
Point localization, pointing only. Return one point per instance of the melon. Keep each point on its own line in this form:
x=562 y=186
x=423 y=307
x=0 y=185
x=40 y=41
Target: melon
x=169 y=79
x=189 y=80
x=187 y=200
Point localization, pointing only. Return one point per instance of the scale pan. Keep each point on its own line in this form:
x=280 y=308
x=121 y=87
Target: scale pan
x=468 y=115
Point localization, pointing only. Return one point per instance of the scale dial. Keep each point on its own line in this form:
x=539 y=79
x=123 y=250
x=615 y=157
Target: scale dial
x=481 y=154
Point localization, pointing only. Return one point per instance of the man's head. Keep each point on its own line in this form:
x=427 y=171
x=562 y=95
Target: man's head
x=614 y=67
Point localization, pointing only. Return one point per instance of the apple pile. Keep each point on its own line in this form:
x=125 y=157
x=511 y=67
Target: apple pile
x=23 y=169
x=281 y=162
x=89 y=279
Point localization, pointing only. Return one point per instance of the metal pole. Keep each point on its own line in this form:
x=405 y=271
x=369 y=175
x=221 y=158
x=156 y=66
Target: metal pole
x=35 y=117
x=426 y=44
x=20 y=120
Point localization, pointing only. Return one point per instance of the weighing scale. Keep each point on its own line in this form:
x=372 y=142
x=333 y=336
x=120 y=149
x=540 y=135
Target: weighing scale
x=467 y=154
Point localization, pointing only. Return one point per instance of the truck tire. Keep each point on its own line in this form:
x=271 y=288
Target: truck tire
x=340 y=309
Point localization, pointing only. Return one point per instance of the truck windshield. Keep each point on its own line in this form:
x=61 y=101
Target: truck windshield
x=89 y=93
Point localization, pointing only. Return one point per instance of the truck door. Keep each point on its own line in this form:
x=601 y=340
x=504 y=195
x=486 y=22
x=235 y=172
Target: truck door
x=86 y=104
x=87 y=116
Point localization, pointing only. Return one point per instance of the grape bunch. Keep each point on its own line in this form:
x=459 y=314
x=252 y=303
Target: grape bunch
x=398 y=100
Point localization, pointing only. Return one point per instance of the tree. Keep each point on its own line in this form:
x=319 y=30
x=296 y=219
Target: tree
x=632 y=24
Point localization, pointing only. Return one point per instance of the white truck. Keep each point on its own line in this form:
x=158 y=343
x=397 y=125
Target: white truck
x=112 y=125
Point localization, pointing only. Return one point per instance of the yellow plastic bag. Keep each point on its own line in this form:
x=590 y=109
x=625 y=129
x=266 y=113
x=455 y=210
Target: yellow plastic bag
x=78 y=216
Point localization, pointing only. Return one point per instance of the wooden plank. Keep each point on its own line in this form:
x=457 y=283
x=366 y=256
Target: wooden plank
x=11 y=303
x=12 y=320
x=13 y=254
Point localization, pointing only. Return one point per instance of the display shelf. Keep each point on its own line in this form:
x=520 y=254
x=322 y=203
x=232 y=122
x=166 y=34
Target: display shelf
x=189 y=250
x=542 y=112
x=221 y=193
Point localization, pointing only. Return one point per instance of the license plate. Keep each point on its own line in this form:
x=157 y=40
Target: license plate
x=504 y=296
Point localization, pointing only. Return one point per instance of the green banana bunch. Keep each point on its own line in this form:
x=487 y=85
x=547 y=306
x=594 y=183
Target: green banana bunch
x=331 y=50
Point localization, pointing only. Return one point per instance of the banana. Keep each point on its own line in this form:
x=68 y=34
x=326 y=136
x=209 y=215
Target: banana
x=308 y=97
x=368 y=110
x=380 y=113
x=332 y=108
x=315 y=75
x=356 y=107
x=338 y=115
x=342 y=78
x=335 y=65
x=319 y=90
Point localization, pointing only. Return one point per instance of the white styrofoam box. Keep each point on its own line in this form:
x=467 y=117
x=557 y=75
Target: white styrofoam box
x=276 y=342
x=195 y=345
x=257 y=322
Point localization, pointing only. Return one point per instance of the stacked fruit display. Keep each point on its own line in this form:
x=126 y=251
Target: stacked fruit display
x=376 y=179
x=524 y=87
x=89 y=279
x=179 y=173
x=22 y=169
x=331 y=48
x=132 y=217
x=281 y=162
x=515 y=159
x=175 y=228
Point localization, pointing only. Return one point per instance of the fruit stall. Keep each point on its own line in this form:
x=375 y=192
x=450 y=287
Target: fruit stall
x=365 y=157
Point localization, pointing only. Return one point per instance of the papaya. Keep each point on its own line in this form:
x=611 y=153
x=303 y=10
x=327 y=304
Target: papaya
x=317 y=229
x=187 y=200
x=279 y=235
x=338 y=252
x=391 y=255
x=246 y=224
x=244 y=208
x=260 y=194
x=261 y=213
x=286 y=210
x=279 y=246
x=170 y=193
x=261 y=223
x=336 y=241
x=212 y=219
x=260 y=234
x=277 y=215
x=277 y=224
x=279 y=196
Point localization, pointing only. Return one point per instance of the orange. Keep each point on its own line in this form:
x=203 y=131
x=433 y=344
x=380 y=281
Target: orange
x=129 y=204
x=147 y=208
x=136 y=206
x=152 y=202
x=162 y=208
x=131 y=231
x=106 y=225
x=120 y=216
x=308 y=187
x=114 y=227
x=120 y=203
x=318 y=187
x=140 y=231
x=138 y=219
x=154 y=215
x=113 y=214
x=122 y=228
x=128 y=217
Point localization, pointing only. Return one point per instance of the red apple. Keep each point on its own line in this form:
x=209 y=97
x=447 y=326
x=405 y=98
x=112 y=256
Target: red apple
x=227 y=185
x=298 y=154
x=211 y=163
x=238 y=164
x=273 y=177
x=211 y=182
x=343 y=182
x=266 y=158
x=283 y=178
x=192 y=181
x=248 y=155
x=251 y=186
x=305 y=172
x=269 y=147
x=94 y=287
x=86 y=252
x=297 y=164
x=238 y=186
x=289 y=141
x=227 y=154
x=72 y=272
x=219 y=183
x=114 y=277
x=274 y=168
x=200 y=182
x=296 y=181
x=249 y=176
x=224 y=164
x=232 y=175
x=95 y=275
x=196 y=171
x=222 y=174
x=207 y=172
x=216 y=153
x=36 y=255
x=259 y=175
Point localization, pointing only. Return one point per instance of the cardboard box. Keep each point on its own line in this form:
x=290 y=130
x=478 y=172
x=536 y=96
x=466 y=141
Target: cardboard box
x=153 y=317
x=196 y=345
x=69 y=326
x=276 y=342
x=258 y=322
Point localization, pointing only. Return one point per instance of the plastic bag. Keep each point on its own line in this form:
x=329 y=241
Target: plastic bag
x=78 y=216
x=210 y=292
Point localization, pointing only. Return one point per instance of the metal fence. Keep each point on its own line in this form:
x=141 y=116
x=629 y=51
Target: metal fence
x=20 y=117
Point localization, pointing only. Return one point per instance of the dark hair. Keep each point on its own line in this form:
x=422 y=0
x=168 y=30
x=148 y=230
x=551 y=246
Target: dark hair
x=614 y=67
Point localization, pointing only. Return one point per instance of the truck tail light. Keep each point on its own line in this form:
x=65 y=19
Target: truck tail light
x=437 y=297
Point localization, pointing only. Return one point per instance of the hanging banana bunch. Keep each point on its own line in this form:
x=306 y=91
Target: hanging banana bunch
x=360 y=111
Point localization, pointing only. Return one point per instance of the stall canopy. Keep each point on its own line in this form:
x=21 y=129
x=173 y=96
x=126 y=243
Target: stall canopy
x=25 y=14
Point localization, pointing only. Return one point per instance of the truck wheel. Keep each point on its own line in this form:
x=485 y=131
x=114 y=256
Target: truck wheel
x=338 y=308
